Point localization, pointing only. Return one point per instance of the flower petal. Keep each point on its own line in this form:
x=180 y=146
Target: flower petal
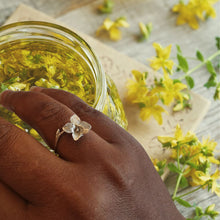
x=76 y=135
x=69 y=127
x=85 y=126
x=75 y=119
x=115 y=34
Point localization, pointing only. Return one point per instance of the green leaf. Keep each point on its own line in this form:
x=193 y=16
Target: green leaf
x=210 y=68
x=218 y=42
x=183 y=182
x=183 y=63
x=190 y=81
x=173 y=168
x=199 y=211
x=183 y=202
x=178 y=69
x=176 y=81
x=193 y=165
x=211 y=82
x=217 y=92
x=178 y=49
x=161 y=165
x=199 y=56
x=145 y=75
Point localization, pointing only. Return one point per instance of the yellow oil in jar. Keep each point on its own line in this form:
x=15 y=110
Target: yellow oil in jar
x=27 y=62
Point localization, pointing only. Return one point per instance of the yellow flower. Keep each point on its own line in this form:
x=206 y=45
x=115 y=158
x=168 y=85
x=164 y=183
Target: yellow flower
x=171 y=90
x=159 y=165
x=178 y=138
x=207 y=149
x=155 y=163
x=162 y=58
x=204 y=8
x=200 y=178
x=186 y=14
x=112 y=27
x=152 y=109
x=194 y=9
x=137 y=89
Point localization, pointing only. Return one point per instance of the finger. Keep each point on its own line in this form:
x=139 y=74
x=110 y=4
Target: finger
x=11 y=204
x=101 y=124
x=47 y=115
x=26 y=166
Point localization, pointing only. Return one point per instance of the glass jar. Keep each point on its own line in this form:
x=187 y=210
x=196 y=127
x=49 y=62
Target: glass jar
x=48 y=55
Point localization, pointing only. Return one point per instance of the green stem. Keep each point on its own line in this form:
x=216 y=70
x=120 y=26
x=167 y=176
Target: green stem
x=178 y=157
x=180 y=174
x=185 y=194
x=200 y=65
x=190 y=58
x=177 y=185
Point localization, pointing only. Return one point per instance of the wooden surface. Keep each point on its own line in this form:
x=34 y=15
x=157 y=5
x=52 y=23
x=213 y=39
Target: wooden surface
x=51 y=7
x=165 y=32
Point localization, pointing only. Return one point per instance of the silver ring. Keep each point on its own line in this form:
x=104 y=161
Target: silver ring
x=76 y=127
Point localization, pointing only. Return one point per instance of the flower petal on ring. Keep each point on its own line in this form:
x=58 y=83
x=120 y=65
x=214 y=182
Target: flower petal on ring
x=86 y=126
x=75 y=119
x=69 y=127
x=76 y=135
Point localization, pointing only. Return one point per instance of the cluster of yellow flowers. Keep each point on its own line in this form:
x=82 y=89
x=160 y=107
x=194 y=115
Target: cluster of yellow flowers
x=194 y=10
x=190 y=12
x=165 y=90
x=194 y=159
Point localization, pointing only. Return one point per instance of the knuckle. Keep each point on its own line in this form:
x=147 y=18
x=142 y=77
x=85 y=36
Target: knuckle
x=84 y=110
x=49 y=111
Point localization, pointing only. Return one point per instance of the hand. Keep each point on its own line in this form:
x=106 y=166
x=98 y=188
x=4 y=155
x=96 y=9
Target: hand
x=105 y=175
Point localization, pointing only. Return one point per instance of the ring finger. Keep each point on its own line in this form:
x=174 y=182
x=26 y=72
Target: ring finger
x=46 y=115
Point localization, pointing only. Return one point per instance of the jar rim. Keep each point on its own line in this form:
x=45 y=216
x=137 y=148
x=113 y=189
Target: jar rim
x=71 y=36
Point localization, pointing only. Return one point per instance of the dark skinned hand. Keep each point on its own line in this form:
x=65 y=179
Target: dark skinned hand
x=105 y=175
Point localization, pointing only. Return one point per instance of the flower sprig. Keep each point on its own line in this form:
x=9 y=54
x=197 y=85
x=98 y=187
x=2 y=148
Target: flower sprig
x=167 y=91
x=194 y=11
x=209 y=63
x=193 y=162
x=162 y=61
x=112 y=28
x=164 y=91
x=145 y=31
x=151 y=98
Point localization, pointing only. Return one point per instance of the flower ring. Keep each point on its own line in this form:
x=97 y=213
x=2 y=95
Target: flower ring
x=76 y=127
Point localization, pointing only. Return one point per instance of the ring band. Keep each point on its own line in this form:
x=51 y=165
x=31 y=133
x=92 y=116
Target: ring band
x=76 y=127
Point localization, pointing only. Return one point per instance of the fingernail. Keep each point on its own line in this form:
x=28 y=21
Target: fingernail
x=36 y=89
